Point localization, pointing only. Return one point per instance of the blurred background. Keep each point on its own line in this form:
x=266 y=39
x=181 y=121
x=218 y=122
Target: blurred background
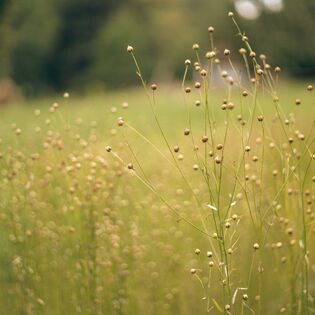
x=56 y=45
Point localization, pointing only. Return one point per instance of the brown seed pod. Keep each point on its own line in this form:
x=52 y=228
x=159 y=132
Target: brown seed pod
x=197 y=85
x=210 y=29
x=226 y=52
x=204 y=139
x=203 y=72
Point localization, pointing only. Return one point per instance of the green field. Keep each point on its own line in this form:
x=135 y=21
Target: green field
x=83 y=233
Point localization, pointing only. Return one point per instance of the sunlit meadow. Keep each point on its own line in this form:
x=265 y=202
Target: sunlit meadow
x=194 y=197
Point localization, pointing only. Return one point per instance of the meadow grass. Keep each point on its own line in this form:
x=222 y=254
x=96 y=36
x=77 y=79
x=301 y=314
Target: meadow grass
x=141 y=202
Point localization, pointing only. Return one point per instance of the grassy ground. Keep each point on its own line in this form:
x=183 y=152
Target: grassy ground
x=83 y=234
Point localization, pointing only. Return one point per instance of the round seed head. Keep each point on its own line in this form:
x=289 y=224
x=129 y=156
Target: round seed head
x=252 y=54
x=130 y=166
x=209 y=254
x=153 y=86
x=256 y=246
x=187 y=89
x=204 y=139
x=187 y=62
x=197 y=251
x=242 y=51
x=230 y=14
x=310 y=88
x=108 y=148
x=186 y=132
x=195 y=47
x=203 y=72
x=224 y=74
x=218 y=159
x=245 y=93
x=129 y=49
x=193 y=271
x=297 y=101
x=195 y=167
x=120 y=121
x=260 y=72
x=277 y=69
x=230 y=105
x=176 y=148
x=197 y=85
x=255 y=158
x=226 y=52
x=210 y=54
x=197 y=103
x=210 y=29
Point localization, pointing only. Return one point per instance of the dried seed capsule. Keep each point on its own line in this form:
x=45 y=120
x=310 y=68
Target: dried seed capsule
x=209 y=254
x=203 y=72
x=218 y=159
x=210 y=29
x=210 y=54
x=204 y=139
x=197 y=85
x=226 y=52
